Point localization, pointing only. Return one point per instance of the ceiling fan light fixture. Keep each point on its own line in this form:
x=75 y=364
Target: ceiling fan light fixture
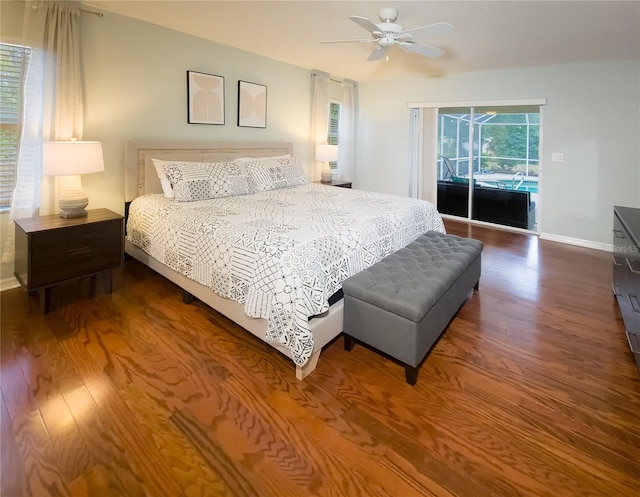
x=386 y=41
x=389 y=33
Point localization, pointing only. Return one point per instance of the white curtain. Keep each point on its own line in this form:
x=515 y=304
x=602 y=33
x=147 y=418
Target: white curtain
x=319 y=116
x=52 y=104
x=424 y=153
x=347 y=130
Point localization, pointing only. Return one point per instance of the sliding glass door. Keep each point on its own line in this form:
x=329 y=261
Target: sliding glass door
x=488 y=163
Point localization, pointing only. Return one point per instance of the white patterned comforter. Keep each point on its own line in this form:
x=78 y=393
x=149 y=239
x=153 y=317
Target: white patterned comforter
x=280 y=253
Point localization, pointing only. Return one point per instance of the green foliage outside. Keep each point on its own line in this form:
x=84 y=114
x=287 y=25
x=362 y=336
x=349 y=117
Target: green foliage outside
x=504 y=142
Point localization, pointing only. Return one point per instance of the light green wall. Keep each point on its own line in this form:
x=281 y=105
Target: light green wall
x=11 y=20
x=135 y=88
x=592 y=116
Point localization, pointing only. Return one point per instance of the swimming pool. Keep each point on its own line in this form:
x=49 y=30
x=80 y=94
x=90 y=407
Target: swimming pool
x=529 y=186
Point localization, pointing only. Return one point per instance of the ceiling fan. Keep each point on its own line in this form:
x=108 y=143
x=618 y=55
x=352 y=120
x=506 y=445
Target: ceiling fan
x=388 y=33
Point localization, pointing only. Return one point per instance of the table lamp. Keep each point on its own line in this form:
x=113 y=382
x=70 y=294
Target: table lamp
x=72 y=158
x=326 y=153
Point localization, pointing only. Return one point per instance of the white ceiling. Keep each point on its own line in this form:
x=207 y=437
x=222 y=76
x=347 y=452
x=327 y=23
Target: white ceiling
x=487 y=35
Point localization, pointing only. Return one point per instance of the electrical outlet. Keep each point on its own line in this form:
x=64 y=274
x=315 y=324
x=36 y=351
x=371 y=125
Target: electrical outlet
x=557 y=157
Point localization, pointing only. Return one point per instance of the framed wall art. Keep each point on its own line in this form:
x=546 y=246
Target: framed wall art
x=252 y=105
x=205 y=98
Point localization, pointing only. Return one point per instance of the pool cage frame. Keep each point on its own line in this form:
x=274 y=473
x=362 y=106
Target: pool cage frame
x=479 y=120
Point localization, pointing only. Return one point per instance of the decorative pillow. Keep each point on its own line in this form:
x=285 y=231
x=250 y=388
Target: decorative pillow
x=254 y=159
x=164 y=181
x=271 y=174
x=204 y=180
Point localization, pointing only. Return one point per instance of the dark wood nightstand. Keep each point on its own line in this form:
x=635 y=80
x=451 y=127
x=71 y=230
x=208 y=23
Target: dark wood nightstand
x=51 y=250
x=337 y=182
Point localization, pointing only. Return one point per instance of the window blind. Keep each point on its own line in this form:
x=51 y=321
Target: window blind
x=14 y=60
x=334 y=126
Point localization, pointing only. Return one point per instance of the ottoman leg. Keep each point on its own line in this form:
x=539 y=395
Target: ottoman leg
x=348 y=342
x=411 y=374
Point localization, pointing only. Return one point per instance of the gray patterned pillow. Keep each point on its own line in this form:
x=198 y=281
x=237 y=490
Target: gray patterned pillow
x=271 y=174
x=204 y=180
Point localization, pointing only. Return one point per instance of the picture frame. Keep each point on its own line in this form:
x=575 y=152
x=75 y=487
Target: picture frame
x=252 y=105
x=205 y=98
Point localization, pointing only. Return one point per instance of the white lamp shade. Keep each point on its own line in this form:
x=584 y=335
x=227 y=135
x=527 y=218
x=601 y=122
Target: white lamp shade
x=328 y=153
x=72 y=157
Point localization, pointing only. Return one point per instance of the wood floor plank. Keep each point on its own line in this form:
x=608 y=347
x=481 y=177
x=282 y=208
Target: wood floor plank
x=12 y=477
x=313 y=434
x=531 y=392
x=219 y=459
x=136 y=438
x=95 y=482
x=115 y=473
x=48 y=374
x=257 y=444
x=42 y=474
x=69 y=449
x=153 y=388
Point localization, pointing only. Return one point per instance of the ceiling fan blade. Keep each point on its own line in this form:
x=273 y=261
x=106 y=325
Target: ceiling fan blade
x=366 y=24
x=368 y=40
x=378 y=53
x=432 y=29
x=425 y=50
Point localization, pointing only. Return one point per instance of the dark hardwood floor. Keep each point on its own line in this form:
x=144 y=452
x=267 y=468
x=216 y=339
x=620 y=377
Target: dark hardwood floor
x=532 y=391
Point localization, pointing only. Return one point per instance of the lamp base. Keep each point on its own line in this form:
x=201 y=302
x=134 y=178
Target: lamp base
x=72 y=213
x=73 y=200
x=326 y=177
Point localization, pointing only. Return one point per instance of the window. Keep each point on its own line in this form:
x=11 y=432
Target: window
x=334 y=127
x=14 y=60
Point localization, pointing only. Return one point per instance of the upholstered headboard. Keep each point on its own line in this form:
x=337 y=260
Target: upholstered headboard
x=140 y=175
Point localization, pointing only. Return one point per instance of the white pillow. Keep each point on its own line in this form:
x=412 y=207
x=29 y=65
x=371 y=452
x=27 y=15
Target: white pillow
x=164 y=181
x=205 y=180
x=278 y=173
x=253 y=159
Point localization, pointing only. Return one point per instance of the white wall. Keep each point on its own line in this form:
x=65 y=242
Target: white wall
x=592 y=116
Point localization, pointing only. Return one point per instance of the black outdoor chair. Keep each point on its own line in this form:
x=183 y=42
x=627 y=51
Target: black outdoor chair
x=450 y=172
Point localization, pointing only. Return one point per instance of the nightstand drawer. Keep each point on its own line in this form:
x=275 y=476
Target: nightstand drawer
x=74 y=264
x=60 y=242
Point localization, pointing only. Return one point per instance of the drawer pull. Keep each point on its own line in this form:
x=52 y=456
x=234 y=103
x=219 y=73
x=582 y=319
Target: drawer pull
x=80 y=251
x=634 y=301
x=633 y=343
x=616 y=289
x=630 y=264
x=615 y=261
x=618 y=234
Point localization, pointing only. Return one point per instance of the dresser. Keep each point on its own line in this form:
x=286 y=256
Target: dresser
x=626 y=272
x=51 y=250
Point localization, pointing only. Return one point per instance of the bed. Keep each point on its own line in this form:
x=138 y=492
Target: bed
x=270 y=259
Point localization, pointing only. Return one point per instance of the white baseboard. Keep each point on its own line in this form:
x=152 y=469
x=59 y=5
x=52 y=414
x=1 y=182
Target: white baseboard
x=579 y=242
x=607 y=247
x=8 y=284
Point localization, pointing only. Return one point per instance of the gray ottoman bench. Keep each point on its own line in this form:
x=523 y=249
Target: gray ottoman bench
x=403 y=303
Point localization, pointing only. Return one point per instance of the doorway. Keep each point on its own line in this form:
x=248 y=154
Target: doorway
x=485 y=160
x=488 y=163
